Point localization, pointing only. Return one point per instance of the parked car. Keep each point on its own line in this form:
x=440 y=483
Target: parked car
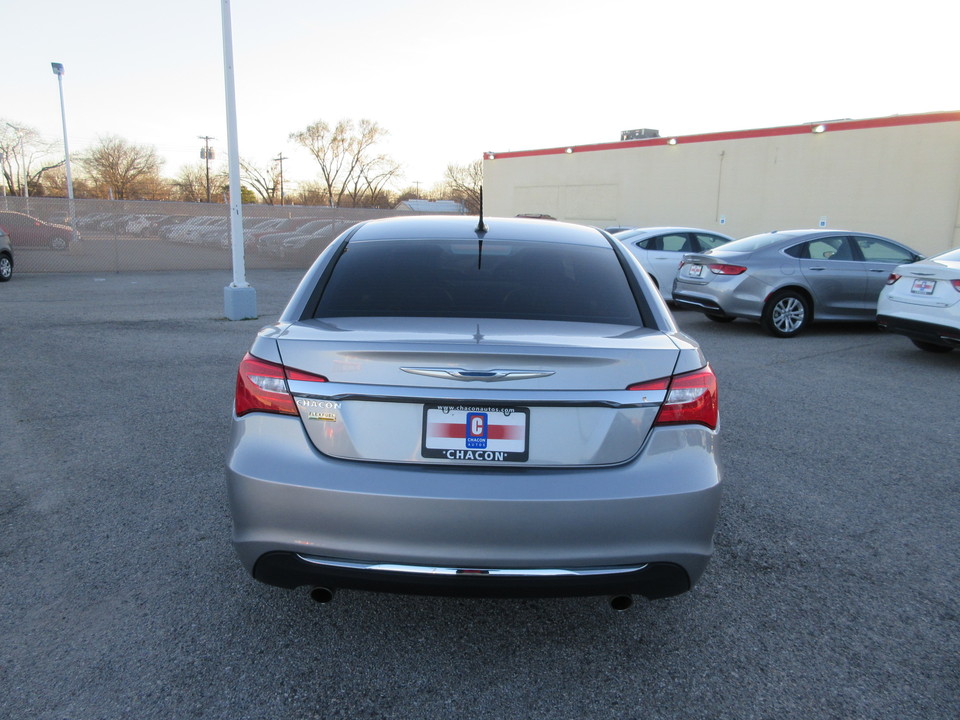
x=922 y=301
x=6 y=257
x=660 y=250
x=504 y=409
x=184 y=231
x=280 y=243
x=27 y=231
x=787 y=279
x=307 y=245
x=142 y=224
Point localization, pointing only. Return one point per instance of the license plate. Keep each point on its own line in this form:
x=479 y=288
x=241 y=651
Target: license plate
x=696 y=271
x=923 y=287
x=467 y=433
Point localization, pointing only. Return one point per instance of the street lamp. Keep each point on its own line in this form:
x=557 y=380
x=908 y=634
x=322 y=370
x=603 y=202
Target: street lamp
x=58 y=71
x=239 y=297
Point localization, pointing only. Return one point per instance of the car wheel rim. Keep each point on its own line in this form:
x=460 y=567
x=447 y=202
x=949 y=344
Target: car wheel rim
x=788 y=315
x=6 y=269
x=58 y=243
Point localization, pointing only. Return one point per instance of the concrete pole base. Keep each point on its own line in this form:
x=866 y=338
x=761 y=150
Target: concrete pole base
x=239 y=303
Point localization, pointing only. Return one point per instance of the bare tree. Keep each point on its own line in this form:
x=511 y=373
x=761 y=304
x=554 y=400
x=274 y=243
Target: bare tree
x=121 y=167
x=24 y=158
x=369 y=187
x=346 y=155
x=190 y=184
x=312 y=193
x=464 y=182
x=265 y=182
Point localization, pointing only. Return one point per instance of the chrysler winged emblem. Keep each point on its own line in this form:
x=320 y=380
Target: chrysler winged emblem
x=478 y=375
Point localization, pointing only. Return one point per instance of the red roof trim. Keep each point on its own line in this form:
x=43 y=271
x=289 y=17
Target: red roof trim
x=829 y=126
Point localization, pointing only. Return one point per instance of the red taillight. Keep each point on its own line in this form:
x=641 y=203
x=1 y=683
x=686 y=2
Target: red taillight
x=893 y=277
x=724 y=269
x=262 y=387
x=691 y=398
x=956 y=285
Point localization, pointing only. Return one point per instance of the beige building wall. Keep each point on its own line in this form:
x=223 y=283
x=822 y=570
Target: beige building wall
x=898 y=177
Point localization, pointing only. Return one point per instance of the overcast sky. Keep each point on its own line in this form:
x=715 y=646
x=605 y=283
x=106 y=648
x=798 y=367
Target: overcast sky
x=450 y=80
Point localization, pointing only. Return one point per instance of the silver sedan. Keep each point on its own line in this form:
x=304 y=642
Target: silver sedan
x=787 y=279
x=499 y=408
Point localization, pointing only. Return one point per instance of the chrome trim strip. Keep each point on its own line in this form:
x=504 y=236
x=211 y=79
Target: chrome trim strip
x=469 y=571
x=513 y=398
x=478 y=375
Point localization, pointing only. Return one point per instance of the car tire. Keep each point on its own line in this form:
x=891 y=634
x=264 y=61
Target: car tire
x=786 y=314
x=720 y=318
x=6 y=268
x=931 y=347
x=58 y=243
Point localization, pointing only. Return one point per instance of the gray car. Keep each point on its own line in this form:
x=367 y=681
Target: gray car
x=661 y=249
x=790 y=278
x=455 y=408
x=6 y=257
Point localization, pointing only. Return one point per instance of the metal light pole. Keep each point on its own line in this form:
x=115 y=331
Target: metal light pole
x=239 y=298
x=58 y=71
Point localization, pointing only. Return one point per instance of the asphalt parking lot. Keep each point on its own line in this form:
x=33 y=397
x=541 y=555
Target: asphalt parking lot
x=832 y=594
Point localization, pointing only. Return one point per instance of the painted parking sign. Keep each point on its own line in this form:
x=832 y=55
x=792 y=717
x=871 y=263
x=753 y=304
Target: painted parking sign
x=484 y=434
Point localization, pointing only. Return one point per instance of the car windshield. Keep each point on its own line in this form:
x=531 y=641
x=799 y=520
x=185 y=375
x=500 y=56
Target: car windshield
x=755 y=242
x=458 y=278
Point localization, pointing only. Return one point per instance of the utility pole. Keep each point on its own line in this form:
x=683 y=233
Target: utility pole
x=207 y=153
x=280 y=160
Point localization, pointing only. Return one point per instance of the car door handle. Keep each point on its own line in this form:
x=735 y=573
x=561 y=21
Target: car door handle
x=879 y=270
x=817 y=268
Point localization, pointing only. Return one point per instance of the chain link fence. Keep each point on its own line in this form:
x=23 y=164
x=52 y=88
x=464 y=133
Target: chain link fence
x=126 y=236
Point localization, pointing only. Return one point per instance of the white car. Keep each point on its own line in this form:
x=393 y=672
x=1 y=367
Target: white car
x=660 y=250
x=922 y=301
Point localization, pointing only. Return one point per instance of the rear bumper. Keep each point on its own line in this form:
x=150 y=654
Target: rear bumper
x=302 y=518
x=697 y=302
x=919 y=330
x=653 y=580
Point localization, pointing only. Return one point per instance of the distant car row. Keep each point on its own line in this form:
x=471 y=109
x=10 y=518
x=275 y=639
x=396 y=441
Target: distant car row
x=788 y=279
x=268 y=236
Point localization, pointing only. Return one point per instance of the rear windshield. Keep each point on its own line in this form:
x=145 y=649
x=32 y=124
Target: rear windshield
x=454 y=278
x=756 y=242
x=953 y=255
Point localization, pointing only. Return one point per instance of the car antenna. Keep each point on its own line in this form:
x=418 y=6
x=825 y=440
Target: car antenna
x=480 y=231
x=481 y=228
